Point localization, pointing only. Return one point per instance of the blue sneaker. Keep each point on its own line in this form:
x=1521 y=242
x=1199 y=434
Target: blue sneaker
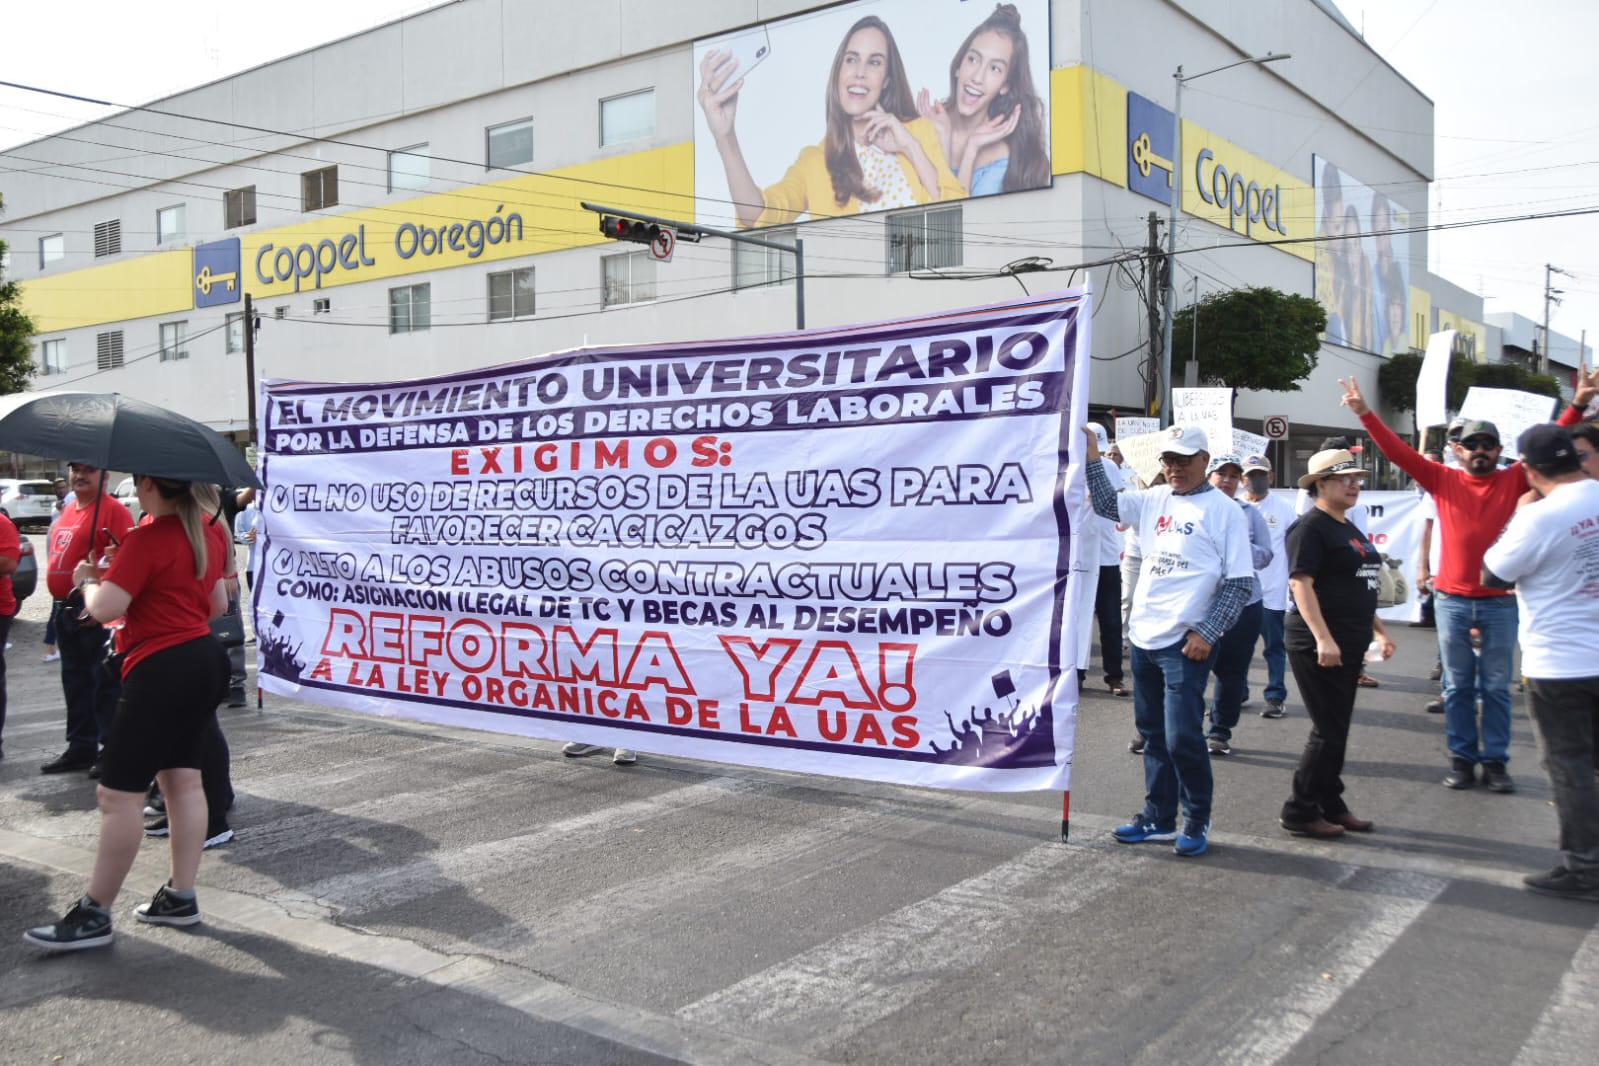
x=1143 y=829
x=1195 y=839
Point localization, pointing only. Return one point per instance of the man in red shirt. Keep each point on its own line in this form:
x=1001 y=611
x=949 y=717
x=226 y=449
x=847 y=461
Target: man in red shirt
x=10 y=556
x=91 y=520
x=1474 y=503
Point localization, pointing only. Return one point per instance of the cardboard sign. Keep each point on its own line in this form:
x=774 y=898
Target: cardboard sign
x=1510 y=410
x=1209 y=409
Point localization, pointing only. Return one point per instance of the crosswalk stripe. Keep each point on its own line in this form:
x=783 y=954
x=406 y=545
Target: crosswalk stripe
x=840 y=987
x=1272 y=1032
x=1571 y=1021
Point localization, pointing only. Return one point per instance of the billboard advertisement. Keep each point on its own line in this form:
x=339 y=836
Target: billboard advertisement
x=1362 y=265
x=871 y=106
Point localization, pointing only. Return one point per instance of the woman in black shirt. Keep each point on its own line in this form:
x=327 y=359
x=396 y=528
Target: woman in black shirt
x=1333 y=571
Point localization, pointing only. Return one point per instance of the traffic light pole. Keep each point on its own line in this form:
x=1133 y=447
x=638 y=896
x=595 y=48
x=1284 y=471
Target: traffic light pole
x=694 y=233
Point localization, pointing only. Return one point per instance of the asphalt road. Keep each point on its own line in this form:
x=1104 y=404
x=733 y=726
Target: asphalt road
x=404 y=893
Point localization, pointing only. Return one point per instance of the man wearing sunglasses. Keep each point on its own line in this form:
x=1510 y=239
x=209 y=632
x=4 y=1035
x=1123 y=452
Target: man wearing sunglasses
x=1475 y=502
x=1197 y=577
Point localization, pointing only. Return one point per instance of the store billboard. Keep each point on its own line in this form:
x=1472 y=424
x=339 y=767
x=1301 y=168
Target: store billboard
x=1362 y=263
x=871 y=106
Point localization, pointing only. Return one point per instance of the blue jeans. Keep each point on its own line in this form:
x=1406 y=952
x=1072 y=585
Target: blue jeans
x=1233 y=653
x=1169 y=710
x=1276 y=654
x=1481 y=675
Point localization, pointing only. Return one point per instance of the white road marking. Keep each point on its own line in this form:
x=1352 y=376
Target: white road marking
x=838 y=988
x=1571 y=1021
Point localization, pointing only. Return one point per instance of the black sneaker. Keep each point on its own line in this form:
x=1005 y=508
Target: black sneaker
x=69 y=761
x=1562 y=883
x=1435 y=706
x=166 y=909
x=86 y=925
x=1218 y=746
x=1437 y=673
x=1494 y=776
x=1462 y=774
x=94 y=771
x=1137 y=746
x=157 y=826
x=1274 y=709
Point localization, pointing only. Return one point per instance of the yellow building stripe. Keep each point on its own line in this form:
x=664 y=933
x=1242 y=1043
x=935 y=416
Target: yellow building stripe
x=1088 y=124
x=157 y=284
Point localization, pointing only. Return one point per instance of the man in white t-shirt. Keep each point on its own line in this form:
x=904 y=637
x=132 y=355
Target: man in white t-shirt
x=1550 y=552
x=1279 y=515
x=1196 y=579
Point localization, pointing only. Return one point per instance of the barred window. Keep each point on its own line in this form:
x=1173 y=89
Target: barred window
x=924 y=240
x=107 y=238
x=108 y=350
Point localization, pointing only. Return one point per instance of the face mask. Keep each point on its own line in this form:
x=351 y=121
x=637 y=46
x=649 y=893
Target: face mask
x=1258 y=483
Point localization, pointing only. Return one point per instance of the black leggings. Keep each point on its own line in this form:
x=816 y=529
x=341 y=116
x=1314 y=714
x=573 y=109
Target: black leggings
x=166 y=717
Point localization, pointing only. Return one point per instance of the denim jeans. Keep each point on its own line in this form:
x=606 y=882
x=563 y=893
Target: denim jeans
x=1275 y=653
x=1233 y=653
x=1481 y=675
x=1169 y=709
x=1566 y=714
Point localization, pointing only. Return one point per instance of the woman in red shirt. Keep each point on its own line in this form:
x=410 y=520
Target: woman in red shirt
x=163 y=582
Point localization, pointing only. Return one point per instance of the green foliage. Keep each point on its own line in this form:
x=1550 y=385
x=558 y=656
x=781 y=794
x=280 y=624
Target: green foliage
x=1256 y=338
x=1513 y=376
x=16 y=334
x=1396 y=380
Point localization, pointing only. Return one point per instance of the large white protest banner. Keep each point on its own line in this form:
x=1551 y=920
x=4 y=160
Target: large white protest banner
x=1510 y=410
x=1209 y=409
x=844 y=551
x=1394 y=520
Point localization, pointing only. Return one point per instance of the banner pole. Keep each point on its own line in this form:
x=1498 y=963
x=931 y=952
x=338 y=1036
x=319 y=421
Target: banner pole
x=1065 y=815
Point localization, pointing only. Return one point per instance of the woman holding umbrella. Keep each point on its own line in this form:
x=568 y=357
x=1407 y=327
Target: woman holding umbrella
x=163 y=581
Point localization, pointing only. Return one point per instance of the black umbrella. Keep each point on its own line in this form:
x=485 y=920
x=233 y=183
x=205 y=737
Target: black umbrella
x=116 y=432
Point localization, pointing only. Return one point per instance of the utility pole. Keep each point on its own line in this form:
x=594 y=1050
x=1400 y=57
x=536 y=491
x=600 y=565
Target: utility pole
x=1191 y=371
x=1154 y=384
x=1550 y=295
x=249 y=367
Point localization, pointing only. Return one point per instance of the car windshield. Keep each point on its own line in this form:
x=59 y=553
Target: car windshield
x=36 y=488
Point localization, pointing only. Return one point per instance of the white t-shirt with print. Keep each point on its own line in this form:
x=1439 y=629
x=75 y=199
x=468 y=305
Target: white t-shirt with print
x=1274 y=579
x=1551 y=551
x=1191 y=544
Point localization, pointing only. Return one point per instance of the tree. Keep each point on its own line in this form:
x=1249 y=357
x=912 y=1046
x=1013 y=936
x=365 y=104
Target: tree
x=1256 y=338
x=1513 y=376
x=16 y=333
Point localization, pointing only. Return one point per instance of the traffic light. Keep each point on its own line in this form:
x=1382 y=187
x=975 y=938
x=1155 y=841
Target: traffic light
x=629 y=229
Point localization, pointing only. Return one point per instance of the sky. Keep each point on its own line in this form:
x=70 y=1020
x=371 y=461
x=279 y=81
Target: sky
x=1512 y=89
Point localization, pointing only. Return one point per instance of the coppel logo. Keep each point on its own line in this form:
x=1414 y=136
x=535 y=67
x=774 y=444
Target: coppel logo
x=1151 y=143
x=216 y=273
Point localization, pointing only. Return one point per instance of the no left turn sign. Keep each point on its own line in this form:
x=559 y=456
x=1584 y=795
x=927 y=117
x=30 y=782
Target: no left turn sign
x=663 y=245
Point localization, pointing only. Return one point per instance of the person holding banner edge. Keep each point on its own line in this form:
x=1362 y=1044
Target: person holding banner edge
x=1474 y=503
x=1197 y=577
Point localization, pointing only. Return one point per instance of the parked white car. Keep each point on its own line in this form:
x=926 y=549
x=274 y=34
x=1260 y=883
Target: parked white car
x=28 y=502
x=129 y=498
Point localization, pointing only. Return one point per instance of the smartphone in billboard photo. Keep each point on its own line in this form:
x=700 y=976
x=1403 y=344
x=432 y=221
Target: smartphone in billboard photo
x=748 y=49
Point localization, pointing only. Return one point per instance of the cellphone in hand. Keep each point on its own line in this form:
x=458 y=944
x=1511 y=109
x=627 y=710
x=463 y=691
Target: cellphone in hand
x=748 y=49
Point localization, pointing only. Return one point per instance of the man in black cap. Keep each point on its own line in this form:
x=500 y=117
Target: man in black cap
x=1550 y=552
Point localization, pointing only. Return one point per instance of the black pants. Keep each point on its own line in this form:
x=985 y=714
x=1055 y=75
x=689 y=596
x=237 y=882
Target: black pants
x=5 y=634
x=91 y=694
x=1566 y=714
x=1329 y=697
x=1108 y=610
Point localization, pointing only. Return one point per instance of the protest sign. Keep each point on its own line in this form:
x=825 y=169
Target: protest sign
x=1209 y=409
x=1432 y=384
x=842 y=551
x=1510 y=410
x=1246 y=444
x=1142 y=454
x=1393 y=523
x=1135 y=426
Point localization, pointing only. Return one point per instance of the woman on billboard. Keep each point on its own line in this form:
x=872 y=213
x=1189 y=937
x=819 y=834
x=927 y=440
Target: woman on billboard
x=877 y=154
x=991 y=126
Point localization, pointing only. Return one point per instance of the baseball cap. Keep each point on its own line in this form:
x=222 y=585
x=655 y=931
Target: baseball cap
x=1224 y=460
x=1257 y=462
x=1184 y=440
x=1478 y=427
x=1453 y=432
x=1545 y=444
x=1100 y=435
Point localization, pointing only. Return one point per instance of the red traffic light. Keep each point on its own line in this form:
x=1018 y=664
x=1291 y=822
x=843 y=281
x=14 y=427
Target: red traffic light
x=629 y=229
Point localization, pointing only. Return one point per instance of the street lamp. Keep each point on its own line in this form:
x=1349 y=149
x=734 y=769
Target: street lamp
x=1171 y=218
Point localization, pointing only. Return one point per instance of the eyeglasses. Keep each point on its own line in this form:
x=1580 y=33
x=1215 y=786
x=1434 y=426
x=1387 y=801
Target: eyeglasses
x=1169 y=459
x=1352 y=480
x=1480 y=444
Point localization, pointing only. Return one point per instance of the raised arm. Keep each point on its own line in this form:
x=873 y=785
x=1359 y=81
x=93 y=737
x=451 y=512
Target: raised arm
x=1107 y=502
x=1587 y=390
x=1427 y=473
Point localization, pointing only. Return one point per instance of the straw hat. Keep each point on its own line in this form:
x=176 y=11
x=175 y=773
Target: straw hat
x=1328 y=463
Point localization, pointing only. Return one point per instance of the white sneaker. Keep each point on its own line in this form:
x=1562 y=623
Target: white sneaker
x=624 y=757
x=221 y=836
x=53 y=657
x=574 y=750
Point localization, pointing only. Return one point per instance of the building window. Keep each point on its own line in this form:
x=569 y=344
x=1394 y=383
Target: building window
x=319 y=189
x=280 y=311
x=234 y=333
x=238 y=207
x=627 y=118
x=511 y=295
x=107 y=238
x=173 y=337
x=108 y=350
x=410 y=308
x=628 y=278
x=52 y=248
x=322 y=306
x=924 y=240
x=754 y=265
x=52 y=356
x=169 y=224
x=511 y=144
x=408 y=168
